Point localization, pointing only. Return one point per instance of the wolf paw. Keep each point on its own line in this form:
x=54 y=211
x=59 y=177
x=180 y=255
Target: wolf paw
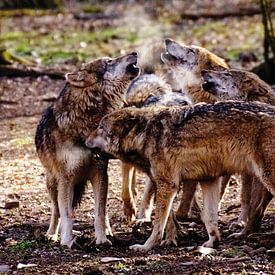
x=169 y=241
x=212 y=243
x=72 y=244
x=103 y=241
x=130 y=214
x=52 y=237
x=139 y=247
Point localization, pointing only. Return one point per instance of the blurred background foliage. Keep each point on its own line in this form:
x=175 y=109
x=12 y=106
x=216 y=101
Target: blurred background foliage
x=51 y=32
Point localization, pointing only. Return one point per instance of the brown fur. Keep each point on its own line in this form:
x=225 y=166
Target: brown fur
x=229 y=84
x=90 y=93
x=186 y=64
x=237 y=85
x=145 y=90
x=243 y=85
x=192 y=144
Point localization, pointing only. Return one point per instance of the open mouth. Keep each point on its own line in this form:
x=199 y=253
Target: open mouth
x=98 y=154
x=167 y=57
x=209 y=87
x=132 y=68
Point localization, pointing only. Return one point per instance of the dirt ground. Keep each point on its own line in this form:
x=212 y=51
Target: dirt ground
x=23 y=247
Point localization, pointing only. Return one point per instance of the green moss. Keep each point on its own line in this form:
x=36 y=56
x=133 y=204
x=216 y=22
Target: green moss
x=23 y=246
x=203 y=30
x=233 y=252
x=93 y=9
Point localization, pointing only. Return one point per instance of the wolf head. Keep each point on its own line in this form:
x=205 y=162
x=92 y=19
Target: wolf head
x=187 y=62
x=236 y=85
x=104 y=70
x=96 y=89
x=110 y=136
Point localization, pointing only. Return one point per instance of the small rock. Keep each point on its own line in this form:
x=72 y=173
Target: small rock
x=4 y=268
x=187 y=264
x=20 y=266
x=205 y=250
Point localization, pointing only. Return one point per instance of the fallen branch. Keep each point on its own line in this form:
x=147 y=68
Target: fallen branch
x=11 y=71
x=235 y=260
x=214 y=15
x=95 y=16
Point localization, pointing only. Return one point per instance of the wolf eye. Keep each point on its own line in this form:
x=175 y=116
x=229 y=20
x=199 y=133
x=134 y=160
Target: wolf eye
x=191 y=50
x=109 y=61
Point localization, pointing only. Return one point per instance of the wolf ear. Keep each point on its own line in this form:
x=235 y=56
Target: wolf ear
x=216 y=63
x=76 y=79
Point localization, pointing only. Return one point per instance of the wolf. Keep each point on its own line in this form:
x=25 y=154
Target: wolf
x=144 y=91
x=196 y=143
x=91 y=92
x=185 y=63
x=232 y=84
x=243 y=85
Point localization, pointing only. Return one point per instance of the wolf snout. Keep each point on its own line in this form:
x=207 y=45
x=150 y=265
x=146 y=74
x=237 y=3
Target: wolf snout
x=89 y=143
x=168 y=41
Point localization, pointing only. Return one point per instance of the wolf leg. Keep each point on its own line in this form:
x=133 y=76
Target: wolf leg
x=146 y=205
x=188 y=198
x=100 y=188
x=246 y=183
x=171 y=230
x=211 y=198
x=129 y=192
x=224 y=182
x=164 y=198
x=52 y=232
x=259 y=202
x=65 y=204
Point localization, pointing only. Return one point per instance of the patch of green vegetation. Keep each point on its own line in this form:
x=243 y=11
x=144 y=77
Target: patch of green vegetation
x=120 y=266
x=203 y=30
x=23 y=246
x=11 y=36
x=93 y=9
x=30 y=12
x=234 y=54
x=233 y=252
x=62 y=46
x=132 y=37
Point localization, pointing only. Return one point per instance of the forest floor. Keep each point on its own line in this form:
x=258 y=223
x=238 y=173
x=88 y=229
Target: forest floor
x=62 y=41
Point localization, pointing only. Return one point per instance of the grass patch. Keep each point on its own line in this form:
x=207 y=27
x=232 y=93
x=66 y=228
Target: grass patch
x=233 y=252
x=211 y=26
x=93 y=9
x=62 y=46
x=23 y=246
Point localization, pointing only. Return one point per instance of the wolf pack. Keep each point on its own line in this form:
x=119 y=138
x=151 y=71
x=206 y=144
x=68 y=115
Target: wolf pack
x=176 y=113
